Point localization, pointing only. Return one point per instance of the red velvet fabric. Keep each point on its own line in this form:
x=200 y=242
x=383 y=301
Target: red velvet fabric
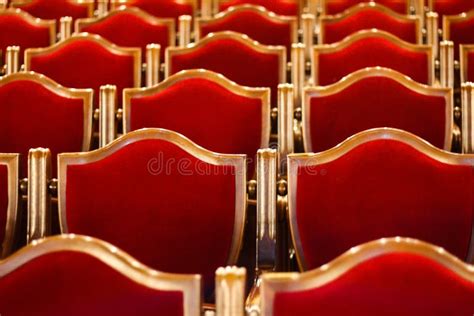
x=86 y=64
x=159 y=204
x=338 y=6
x=55 y=9
x=256 y=26
x=452 y=7
x=75 y=284
x=236 y=61
x=3 y=202
x=383 y=188
x=207 y=113
x=367 y=19
x=371 y=52
x=461 y=33
x=470 y=66
x=163 y=8
x=375 y=102
x=128 y=30
x=391 y=284
x=281 y=7
x=15 y=30
x=32 y=116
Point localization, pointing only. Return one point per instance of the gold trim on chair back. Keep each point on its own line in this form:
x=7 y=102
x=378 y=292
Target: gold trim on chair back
x=11 y=161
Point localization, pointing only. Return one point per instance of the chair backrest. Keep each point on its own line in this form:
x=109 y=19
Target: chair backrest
x=466 y=60
x=37 y=112
x=206 y=107
x=87 y=61
x=281 y=7
x=9 y=166
x=159 y=8
x=339 y=6
x=393 y=276
x=235 y=56
x=379 y=183
x=56 y=9
x=18 y=28
x=83 y=275
x=458 y=29
x=255 y=21
x=131 y=27
x=367 y=16
x=371 y=48
x=376 y=97
x=163 y=199
x=450 y=7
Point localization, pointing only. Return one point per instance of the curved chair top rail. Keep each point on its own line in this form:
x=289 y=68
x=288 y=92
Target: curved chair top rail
x=25 y=16
x=88 y=3
x=12 y=162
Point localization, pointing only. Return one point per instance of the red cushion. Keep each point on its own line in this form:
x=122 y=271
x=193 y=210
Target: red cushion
x=282 y=7
x=391 y=284
x=338 y=6
x=3 y=202
x=17 y=30
x=236 y=61
x=33 y=116
x=256 y=25
x=375 y=102
x=55 y=9
x=461 y=32
x=158 y=203
x=371 y=52
x=470 y=66
x=383 y=188
x=74 y=284
x=369 y=18
x=164 y=8
x=128 y=29
x=207 y=113
x=84 y=63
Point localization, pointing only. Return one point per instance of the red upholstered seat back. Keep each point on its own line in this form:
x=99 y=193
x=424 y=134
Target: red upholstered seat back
x=467 y=66
x=338 y=6
x=56 y=9
x=87 y=61
x=132 y=28
x=459 y=31
x=88 y=281
x=395 y=282
x=161 y=8
x=162 y=199
x=451 y=7
x=255 y=22
x=370 y=49
x=282 y=7
x=376 y=98
x=206 y=108
x=378 y=185
x=20 y=29
x=234 y=56
x=368 y=17
x=36 y=112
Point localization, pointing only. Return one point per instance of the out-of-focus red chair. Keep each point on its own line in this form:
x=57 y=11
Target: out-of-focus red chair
x=399 y=6
x=390 y=276
x=56 y=9
x=379 y=183
x=466 y=55
x=376 y=97
x=281 y=7
x=372 y=48
x=83 y=275
x=9 y=198
x=37 y=112
x=368 y=16
x=459 y=29
x=160 y=8
x=450 y=7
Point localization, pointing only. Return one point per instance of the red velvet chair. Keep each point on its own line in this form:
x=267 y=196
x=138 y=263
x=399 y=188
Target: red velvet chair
x=467 y=63
x=56 y=9
x=281 y=7
x=87 y=61
x=376 y=97
x=236 y=57
x=392 y=277
x=367 y=16
x=78 y=275
x=37 y=112
x=9 y=166
x=459 y=29
x=379 y=183
x=162 y=198
x=160 y=8
x=131 y=27
x=18 y=28
x=211 y=110
x=256 y=22
x=371 y=48
x=450 y=7
x=339 y=6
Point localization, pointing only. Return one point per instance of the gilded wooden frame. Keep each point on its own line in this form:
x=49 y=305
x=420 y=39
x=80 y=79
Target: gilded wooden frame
x=315 y=159
x=12 y=162
x=242 y=38
x=273 y=283
x=237 y=161
x=353 y=78
x=373 y=33
x=88 y=3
